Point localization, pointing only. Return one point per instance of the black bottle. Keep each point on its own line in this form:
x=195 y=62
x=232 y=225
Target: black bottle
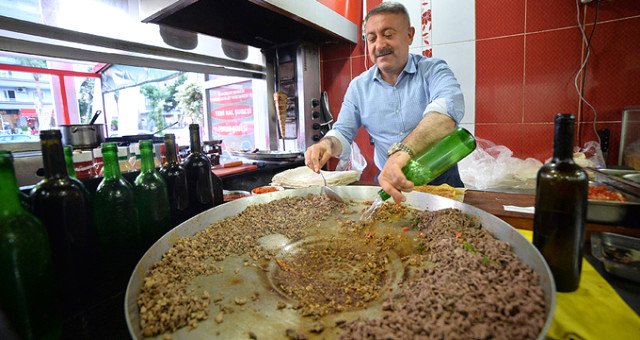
x=176 y=178
x=205 y=188
x=62 y=204
x=561 y=209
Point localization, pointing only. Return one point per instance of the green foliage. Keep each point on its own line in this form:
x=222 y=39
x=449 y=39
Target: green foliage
x=161 y=99
x=85 y=99
x=190 y=101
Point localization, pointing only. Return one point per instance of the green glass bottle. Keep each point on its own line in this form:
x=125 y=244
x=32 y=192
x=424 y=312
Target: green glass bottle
x=562 y=190
x=205 y=188
x=151 y=198
x=68 y=158
x=115 y=217
x=62 y=204
x=27 y=285
x=176 y=178
x=25 y=201
x=434 y=161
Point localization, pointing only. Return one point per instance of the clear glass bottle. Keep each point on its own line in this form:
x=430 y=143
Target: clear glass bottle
x=176 y=178
x=434 y=161
x=62 y=204
x=205 y=188
x=562 y=190
x=151 y=197
x=115 y=216
x=27 y=288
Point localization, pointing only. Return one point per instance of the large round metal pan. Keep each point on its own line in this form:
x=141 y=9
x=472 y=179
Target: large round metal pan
x=423 y=201
x=266 y=155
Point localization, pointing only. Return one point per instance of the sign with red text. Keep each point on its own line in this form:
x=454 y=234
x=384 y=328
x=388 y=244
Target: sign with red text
x=232 y=115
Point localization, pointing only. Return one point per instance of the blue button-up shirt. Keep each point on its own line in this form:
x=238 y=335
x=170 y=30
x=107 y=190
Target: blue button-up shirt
x=390 y=112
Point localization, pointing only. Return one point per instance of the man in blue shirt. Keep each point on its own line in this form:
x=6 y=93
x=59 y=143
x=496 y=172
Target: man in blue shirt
x=406 y=102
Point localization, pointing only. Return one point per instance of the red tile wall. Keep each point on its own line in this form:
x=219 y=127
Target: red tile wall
x=527 y=56
x=339 y=64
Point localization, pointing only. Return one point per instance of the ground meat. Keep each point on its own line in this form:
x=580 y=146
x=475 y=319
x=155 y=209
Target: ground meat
x=164 y=301
x=458 y=281
x=479 y=289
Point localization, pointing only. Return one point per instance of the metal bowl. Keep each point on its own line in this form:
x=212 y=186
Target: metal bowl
x=423 y=201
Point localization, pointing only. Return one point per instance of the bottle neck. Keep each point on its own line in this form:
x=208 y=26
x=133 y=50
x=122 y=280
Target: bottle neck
x=563 y=139
x=147 y=163
x=68 y=158
x=111 y=165
x=8 y=187
x=196 y=147
x=53 y=158
x=170 y=151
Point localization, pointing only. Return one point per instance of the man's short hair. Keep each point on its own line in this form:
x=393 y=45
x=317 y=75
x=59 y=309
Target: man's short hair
x=386 y=7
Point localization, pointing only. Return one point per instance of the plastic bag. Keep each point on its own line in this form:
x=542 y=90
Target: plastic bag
x=492 y=166
x=589 y=156
x=355 y=162
x=592 y=152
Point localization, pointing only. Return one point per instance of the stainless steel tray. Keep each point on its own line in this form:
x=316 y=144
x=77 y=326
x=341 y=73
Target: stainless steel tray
x=623 y=213
x=267 y=155
x=208 y=328
x=619 y=254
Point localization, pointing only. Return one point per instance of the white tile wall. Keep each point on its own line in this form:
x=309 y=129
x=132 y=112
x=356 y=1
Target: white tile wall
x=461 y=59
x=415 y=16
x=452 y=39
x=453 y=21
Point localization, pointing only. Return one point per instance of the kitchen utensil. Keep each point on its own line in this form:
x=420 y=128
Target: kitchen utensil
x=268 y=155
x=95 y=116
x=82 y=136
x=166 y=127
x=327 y=191
x=287 y=317
x=618 y=253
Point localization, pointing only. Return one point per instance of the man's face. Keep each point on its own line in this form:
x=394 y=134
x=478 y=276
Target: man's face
x=388 y=39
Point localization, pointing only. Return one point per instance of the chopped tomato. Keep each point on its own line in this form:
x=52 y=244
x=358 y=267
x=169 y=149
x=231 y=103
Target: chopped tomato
x=602 y=192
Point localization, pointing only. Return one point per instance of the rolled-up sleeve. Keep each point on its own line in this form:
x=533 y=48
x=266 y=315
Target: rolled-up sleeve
x=445 y=93
x=348 y=123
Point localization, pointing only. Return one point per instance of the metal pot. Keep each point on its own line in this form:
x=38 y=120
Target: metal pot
x=82 y=136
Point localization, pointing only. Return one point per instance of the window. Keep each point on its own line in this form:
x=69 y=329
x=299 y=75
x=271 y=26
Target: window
x=11 y=95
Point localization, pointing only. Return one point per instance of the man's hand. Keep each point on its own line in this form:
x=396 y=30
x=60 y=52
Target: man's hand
x=391 y=178
x=319 y=154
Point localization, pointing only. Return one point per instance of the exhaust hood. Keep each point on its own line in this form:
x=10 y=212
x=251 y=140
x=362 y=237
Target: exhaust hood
x=258 y=23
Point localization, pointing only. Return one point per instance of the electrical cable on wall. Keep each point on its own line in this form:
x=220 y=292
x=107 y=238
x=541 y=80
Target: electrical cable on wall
x=582 y=70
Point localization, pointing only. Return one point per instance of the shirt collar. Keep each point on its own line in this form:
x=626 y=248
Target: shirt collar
x=410 y=67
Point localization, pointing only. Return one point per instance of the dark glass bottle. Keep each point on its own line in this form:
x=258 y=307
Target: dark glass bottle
x=62 y=204
x=115 y=217
x=68 y=158
x=205 y=188
x=434 y=161
x=561 y=206
x=27 y=285
x=151 y=198
x=176 y=178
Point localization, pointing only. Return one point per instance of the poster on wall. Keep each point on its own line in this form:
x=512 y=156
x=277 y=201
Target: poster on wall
x=231 y=115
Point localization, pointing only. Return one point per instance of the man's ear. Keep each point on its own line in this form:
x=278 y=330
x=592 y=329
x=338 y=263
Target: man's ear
x=412 y=32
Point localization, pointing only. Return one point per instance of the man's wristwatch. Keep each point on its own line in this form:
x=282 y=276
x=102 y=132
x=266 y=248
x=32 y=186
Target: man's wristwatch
x=395 y=147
